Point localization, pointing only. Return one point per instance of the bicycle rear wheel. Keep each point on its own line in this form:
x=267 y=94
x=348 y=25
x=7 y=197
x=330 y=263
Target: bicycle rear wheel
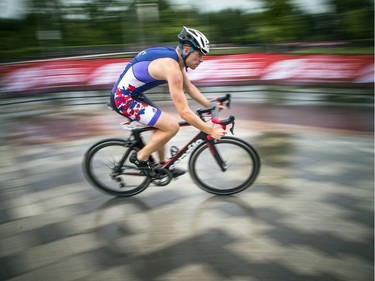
x=242 y=165
x=106 y=166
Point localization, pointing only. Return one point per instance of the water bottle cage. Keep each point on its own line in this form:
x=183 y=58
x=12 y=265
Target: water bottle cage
x=174 y=150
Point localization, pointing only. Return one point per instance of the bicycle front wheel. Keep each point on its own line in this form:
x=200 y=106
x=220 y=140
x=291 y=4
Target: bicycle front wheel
x=241 y=166
x=106 y=166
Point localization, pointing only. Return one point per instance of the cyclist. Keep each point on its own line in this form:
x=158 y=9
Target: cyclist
x=153 y=67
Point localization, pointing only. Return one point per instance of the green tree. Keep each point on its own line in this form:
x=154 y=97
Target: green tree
x=227 y=26
x=280 y=22
x=353 y=19
x=55 y=25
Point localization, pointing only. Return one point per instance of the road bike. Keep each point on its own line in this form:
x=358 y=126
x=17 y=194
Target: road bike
x=219 y=166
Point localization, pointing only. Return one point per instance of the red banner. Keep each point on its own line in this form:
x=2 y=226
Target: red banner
x=215 y=71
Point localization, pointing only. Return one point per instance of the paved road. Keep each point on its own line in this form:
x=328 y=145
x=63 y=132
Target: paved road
x=309 y=216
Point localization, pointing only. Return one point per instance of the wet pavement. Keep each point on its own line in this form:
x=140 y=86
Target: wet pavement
x=309 y=215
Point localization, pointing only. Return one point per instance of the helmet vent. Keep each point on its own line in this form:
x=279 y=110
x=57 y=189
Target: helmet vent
x=195 y=39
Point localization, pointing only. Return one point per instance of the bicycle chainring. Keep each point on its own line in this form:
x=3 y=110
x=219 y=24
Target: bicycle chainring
x=163 y=177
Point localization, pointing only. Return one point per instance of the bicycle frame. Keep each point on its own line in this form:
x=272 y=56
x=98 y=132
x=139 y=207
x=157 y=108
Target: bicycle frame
x=198 y=139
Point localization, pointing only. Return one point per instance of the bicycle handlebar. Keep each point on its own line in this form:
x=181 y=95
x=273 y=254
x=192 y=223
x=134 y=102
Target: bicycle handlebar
x=214 y=112
x=221 y=100
x=214 y=109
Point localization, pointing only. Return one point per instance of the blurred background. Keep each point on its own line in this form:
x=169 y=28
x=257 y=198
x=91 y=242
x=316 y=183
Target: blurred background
x=327 y=43
x=50 y=28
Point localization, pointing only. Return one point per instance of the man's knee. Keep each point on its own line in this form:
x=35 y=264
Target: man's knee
x=173 y=126
x=168 y=124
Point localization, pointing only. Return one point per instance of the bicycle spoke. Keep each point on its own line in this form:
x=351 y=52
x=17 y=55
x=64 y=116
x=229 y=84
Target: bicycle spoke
x=241 y=161
x=102 y=169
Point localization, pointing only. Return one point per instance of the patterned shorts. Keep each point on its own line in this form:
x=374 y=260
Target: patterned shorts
x=138 y=108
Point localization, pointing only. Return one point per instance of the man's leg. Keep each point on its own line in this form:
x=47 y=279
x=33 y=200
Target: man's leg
x=161 y=154
x=167 y=127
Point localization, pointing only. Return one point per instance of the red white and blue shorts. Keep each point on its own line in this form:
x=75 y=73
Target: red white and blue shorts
x=138 y=108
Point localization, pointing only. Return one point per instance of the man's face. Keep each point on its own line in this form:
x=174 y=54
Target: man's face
x=194 y=59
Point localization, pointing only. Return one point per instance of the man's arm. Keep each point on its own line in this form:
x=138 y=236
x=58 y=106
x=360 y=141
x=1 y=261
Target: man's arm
x=169 y=70
x=194 y=92
x=175 y=82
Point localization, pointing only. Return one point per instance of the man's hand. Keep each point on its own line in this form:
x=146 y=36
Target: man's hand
x=217 y=132
x=221 y=106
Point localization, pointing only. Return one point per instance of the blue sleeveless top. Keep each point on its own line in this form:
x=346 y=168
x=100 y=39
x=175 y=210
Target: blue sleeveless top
x=135 y=79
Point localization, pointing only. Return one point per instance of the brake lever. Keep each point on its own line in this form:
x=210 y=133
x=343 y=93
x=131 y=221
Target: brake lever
x=232 y=128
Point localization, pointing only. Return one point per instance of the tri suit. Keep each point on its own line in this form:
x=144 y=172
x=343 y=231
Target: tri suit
x=127 y=93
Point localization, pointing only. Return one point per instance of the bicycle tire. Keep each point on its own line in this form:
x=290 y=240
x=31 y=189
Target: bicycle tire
x=99 y=165
x=242 y=161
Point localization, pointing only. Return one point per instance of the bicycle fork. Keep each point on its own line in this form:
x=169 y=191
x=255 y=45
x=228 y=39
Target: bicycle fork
x=215 y=153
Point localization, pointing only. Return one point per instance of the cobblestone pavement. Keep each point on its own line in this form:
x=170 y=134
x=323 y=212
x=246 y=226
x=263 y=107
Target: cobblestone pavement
x=309 y=215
